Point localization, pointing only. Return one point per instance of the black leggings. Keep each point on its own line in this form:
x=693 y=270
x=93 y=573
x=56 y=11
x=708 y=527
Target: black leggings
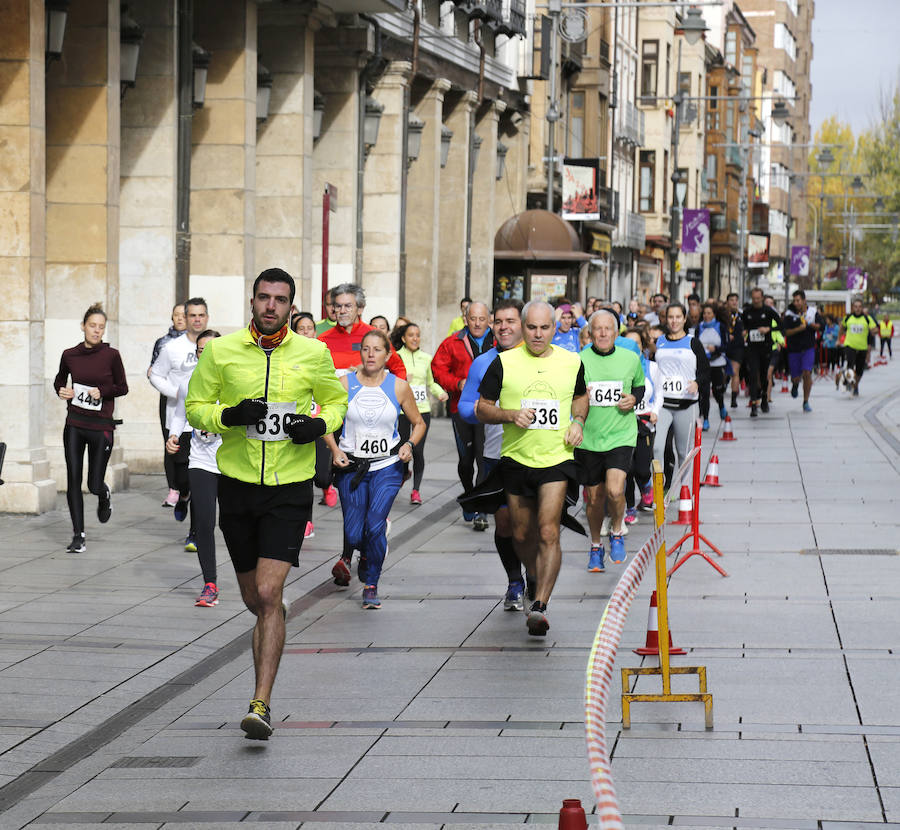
x=470 y=448
x=204 y=488
x=405 y=429
x=756 y=359
x=168 y=460
x=717 y=386
x=324 y=473
x=856 y=360
x=99 y=444
x=640 y=467
x=886 y=341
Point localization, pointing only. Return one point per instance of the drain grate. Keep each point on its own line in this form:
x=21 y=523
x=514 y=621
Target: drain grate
x=852 y=551
x=148 y=761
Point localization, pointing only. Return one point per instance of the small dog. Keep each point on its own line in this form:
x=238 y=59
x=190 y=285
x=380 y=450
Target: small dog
x=847 y=378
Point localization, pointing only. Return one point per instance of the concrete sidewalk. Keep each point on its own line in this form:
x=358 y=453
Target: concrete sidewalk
x=122 y=699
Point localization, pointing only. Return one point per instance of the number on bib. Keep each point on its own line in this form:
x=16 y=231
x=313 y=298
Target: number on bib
x=756 y=336
x=674 y=386
x=273 y=426
x=81 y=397
x=857 y=328
x=605 y=392
x=373 y=445
x=546 y=413
x=420 y=393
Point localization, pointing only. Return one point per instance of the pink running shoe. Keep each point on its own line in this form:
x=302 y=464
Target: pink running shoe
x=414 y=497
x=172 y=498
x=310 y=531
x=647 y=499
x=331 y=496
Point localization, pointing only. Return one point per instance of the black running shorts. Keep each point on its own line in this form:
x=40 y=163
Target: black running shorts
x=592 y=466
x=519 y=480
x=265 y=522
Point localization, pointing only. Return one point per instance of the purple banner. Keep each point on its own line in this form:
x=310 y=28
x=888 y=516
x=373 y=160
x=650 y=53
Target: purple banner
x=856 y=279
x=800 y=260
x=695 y=231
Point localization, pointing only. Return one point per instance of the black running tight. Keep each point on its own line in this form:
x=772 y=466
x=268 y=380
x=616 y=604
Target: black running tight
x=404 y=428
x=99 y=444
x=204 y=488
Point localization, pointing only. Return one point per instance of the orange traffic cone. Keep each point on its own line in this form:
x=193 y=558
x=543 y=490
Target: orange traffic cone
x=712 y=472
x=685 y=506
x=652 y=642
x=784 y=385
x=727 y=434
x=571 y=816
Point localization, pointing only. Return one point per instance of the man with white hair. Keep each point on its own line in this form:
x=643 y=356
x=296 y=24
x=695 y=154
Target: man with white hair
x=537 y=391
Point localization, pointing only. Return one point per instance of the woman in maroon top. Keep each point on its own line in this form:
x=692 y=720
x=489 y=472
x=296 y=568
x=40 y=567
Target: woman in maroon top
x=98 y=377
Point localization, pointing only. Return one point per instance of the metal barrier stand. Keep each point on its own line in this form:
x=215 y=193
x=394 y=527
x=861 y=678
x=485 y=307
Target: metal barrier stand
x=694 y=532
x=664 y=669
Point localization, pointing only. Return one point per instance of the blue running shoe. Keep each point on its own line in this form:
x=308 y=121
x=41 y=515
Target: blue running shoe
x=595 y=560
x=706 y=424
x=723 y=412
x=806 y=406
x=468 y=516
x=370 y=601
x=515 y=596
x=617 y=548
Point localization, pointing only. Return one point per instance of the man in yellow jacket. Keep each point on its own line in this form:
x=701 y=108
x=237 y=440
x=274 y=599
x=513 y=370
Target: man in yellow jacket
x=256 y=387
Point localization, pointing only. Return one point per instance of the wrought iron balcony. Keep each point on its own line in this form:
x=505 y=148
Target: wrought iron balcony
x=630 y=124
x=512 y=21
x=634 y=234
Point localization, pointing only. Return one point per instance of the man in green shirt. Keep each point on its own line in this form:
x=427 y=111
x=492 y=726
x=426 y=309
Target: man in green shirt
x=329 y=322
x=856 y=327
x=537 y=392
x=615 y=383
x=459 y=323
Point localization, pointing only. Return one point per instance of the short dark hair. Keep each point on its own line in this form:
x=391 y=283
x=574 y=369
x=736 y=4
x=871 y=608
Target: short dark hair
x=300 y=315
x=670 y=306
x=208 y=333
x=96 y=308
x=195 y=301
x=693 y=297
x=799 y=293
x=275 y=275
x=379 y=317
x=465 y=300
x=757 y=288
x=732 y=294
x=660 y=294
x=509 y=303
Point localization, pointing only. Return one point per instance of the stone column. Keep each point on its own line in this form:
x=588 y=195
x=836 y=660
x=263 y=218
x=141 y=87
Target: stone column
x=223 y=168
x=423 y=214
x=454 y=210
x=148 y=183
x=23 y=390
x=82 y=255
x=284 y=147
x=484 y=221
x=382 y=196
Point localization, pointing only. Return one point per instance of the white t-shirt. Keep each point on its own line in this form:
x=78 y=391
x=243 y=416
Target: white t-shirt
x=204 y=445
x=176 y=362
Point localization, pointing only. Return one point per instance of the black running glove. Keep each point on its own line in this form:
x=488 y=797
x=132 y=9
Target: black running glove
x=248 y=411
x=304 y=429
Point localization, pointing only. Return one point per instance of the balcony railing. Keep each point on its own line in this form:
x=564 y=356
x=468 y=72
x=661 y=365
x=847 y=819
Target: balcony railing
x=733 y=156
x=630 y=124
x=512 y=21
x=634 y=234
x=488 y=10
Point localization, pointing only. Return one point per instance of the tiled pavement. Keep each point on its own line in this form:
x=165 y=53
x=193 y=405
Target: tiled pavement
x=121 y=699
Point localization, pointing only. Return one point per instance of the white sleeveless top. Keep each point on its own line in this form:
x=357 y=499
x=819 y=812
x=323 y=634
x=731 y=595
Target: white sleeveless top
x=370 y=426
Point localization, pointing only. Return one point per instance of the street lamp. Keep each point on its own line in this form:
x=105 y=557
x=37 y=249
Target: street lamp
x=446 y=138
x=857 y=183
x=371 y=122
x=825 y=159
x=693 y=25
x=414 y=128
x=56 y=12
x=131 y=36
x=263 y=92
x=200 y=61
x=502 y=150
x=318 y=113
x=879 y=205
x=780 y=113
x=476 y=149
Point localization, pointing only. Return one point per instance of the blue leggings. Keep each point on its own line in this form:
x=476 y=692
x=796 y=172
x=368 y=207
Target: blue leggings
x=365 y=513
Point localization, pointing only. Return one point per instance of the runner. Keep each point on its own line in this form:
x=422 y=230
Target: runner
x=303 y=324
x=656 y=316
x=459 y=323
x=684 y=369
x=800 y=326
x=98 y=378
x=244 y=387
x=380 y=322
x=830 y=337
x=421 y=381
x=508 y=332
x=179 y=324
x=566 y=331
x=856 y=327
x=734 y=344
x=450 y=366
x=615 y=383
x=647 y=411
x=711 y=334
x=203 y=473
x=370 y=457
x=885 y=335
x=541 y=400
x=329 y=321
x=758 y=320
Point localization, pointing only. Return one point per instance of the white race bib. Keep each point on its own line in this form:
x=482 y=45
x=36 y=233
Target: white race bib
x=205 y=437
x=642 y=407
x=420 y=393
x=373 y=444
x=756 y=336
x=546 y=413
x=675 y=386
x=81 y=397
x=605 y=392
x=271 y=428
x=855 y=328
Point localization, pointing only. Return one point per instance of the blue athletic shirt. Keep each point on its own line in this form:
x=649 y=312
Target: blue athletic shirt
x=493 y=433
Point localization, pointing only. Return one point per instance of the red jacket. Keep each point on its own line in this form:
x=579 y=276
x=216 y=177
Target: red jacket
x=452 y=360
x=344 y=348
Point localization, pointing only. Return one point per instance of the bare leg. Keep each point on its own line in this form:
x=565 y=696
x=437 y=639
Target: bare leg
x=595 y=509
x=807 y=386
x=615 y=499
x=261 y=591
x=522 y=512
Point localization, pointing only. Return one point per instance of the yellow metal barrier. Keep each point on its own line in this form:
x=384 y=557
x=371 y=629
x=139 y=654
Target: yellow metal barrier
x=664 y=669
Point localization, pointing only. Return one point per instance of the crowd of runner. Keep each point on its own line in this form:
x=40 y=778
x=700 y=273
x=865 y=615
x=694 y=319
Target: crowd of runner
x=547 y=403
